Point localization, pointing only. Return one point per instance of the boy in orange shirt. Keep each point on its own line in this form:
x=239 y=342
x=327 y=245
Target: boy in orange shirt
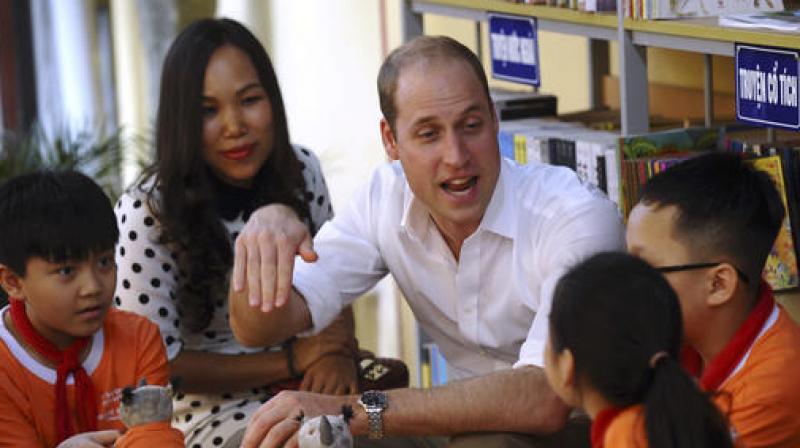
x=65 y=354
x=708 y=225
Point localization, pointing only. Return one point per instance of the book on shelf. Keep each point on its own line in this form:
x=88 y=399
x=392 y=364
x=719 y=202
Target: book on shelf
x=678 y=9
x=781 y=267
x=438 y=370
x=591 y=153
x=779 y=158
x=620 y=166
x=777 y=20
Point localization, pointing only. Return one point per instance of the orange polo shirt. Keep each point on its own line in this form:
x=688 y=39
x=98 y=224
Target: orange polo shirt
x=762 y=395
x=127 y=349
x=627 y=429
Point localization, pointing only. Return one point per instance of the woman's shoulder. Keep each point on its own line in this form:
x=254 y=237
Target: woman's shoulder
x=143 y=196
x=307 y=158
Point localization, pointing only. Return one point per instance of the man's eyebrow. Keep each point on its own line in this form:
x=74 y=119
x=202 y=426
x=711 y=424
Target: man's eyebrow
x=474 y=107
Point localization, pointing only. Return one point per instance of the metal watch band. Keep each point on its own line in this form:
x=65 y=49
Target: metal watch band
x=375 y=423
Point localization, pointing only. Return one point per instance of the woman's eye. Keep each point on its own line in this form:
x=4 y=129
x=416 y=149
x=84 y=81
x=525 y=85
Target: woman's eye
x=65 y=271
x=252 y=99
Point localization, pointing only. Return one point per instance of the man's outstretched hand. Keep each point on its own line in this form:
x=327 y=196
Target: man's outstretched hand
x=264 y=255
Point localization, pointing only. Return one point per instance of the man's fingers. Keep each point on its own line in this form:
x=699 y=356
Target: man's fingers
x=263 y=420
x=293 y=441
x=239 y=263
x=285 y=255
x=280 y=434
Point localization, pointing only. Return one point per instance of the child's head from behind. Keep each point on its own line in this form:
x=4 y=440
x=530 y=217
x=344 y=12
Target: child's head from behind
x=57 y=251
x=708 y=224
x=611 y=316
x=615 y=337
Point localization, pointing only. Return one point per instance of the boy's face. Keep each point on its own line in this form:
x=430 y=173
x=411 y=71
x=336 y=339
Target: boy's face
x=67 y=300
x=650 y=237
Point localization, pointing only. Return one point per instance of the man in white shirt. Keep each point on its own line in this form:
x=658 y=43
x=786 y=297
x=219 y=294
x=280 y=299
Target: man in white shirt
x=475 y=243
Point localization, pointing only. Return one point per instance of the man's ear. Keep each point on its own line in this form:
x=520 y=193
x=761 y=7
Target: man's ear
x=721 y=284
x=11 y=282
x=389 y=140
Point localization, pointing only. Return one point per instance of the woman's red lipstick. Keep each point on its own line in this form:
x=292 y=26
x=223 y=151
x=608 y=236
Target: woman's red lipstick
x=239 y=152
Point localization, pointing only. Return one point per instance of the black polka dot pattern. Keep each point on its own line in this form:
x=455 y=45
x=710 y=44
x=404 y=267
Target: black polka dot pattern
x=149 y=275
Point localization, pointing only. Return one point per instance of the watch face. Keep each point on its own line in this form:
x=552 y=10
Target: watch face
x=374 y=398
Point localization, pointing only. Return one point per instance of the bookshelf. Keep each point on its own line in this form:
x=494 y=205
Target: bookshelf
x=701 y=35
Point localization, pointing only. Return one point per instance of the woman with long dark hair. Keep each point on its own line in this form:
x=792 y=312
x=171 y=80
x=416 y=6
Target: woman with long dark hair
x=615 y=337
x=222 y=151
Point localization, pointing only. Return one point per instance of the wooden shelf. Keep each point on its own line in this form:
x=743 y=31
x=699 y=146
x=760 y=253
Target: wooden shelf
x=702 y=35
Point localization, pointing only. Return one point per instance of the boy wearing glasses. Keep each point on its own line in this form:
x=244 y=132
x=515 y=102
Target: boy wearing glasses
x=708 y=225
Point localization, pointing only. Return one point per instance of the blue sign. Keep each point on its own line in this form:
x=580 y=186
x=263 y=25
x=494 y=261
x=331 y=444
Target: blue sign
x=514 y=46
x=766 y=86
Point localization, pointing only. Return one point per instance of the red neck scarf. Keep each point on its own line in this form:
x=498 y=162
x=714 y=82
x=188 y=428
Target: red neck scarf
x=68 y=362
x=601 y=423
x=720 y=368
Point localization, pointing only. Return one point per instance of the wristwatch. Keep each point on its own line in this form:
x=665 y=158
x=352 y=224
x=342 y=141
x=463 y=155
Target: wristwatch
x=374 y=403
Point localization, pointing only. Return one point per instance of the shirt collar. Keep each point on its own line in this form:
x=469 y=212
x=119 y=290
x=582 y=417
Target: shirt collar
x=499 y=216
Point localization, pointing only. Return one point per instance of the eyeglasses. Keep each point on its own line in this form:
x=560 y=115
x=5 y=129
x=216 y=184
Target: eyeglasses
x=693 y=266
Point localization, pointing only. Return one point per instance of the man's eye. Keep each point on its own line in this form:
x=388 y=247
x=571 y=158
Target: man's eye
x=427 y=134
x=209 y=110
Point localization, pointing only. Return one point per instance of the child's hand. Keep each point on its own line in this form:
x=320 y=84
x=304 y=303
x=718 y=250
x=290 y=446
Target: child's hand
x=96 y=439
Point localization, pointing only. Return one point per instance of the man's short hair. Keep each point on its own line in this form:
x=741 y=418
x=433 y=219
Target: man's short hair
x=418 y=49
x=56 y=215
x=725 y=208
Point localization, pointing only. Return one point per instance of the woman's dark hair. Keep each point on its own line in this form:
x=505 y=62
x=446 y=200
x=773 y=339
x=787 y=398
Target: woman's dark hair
x=188 y=204
x=615 y=313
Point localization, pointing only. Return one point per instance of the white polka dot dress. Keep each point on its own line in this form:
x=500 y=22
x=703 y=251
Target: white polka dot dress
x=147 y=283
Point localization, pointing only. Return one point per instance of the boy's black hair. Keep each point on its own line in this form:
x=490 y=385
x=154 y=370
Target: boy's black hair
x=726 y=208
x=621 y=321
x=56 y=215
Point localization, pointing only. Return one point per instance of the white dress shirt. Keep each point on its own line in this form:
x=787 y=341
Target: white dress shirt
x=487 y=311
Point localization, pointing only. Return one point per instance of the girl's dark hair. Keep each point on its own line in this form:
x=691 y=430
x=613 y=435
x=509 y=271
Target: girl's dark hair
x=188 y=208
x=614 y=313
x=55 y=215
